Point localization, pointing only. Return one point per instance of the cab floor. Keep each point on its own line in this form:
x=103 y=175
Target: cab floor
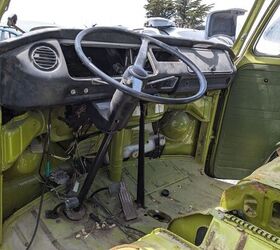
x=190 y=190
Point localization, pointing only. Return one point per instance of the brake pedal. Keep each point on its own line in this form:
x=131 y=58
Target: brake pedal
x=127 y=203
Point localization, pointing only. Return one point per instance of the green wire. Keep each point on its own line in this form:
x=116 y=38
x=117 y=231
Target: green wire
x=48 y=169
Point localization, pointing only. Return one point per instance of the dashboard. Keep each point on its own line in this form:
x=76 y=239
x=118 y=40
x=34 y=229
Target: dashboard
x=41 y=68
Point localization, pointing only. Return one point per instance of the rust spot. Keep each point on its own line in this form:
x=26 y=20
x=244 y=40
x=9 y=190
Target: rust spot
x=259 y=187
x=242 y=242
x=210 y=238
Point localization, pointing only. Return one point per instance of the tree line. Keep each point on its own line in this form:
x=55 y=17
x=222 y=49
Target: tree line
x=186 y=13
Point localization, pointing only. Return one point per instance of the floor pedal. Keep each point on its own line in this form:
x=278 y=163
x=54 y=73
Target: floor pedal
x=127 y=203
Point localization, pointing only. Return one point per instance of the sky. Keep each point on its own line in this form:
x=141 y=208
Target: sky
x=85 y=13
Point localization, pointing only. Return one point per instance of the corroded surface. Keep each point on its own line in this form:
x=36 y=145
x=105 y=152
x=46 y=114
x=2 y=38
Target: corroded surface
x=190 y=190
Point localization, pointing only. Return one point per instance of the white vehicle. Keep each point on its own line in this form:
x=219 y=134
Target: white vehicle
x=220 y=27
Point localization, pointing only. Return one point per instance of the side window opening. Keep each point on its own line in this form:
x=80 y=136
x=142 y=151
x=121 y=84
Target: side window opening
x=269 y=42
x=273 y=32
x=275 y=216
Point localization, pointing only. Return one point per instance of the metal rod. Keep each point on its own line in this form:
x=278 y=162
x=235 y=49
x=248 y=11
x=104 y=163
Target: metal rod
x=98 y=161
x=141 y=159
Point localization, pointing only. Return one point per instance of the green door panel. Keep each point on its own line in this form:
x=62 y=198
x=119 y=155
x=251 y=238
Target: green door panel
x=251 y=123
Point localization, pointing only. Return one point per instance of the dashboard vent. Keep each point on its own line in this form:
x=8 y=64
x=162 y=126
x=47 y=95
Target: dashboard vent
x=44 y=58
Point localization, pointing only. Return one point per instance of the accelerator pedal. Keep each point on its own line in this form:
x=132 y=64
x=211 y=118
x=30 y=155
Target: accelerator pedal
x=127 y=203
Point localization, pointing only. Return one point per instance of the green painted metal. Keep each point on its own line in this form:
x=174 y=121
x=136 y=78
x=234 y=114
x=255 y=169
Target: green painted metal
x=256 y=195
x=206 y=128
x=128 y=136
x=252 y=107
x=176 y=124
x=1 y=185
x=4 y=4
x=26 y=164
x=18 y=192
x=224 y=231
x=1 y=207
x=268 y=174
x=247 y=132
x=247 y=26
x=256 y=201
x=153 y=113
x=158 y=239
x=200 y=109
x=182 y=124
x=227 y=232
x=180 y=131
x=21 y=182
x=187 y=226
x=249 y=55
x=17 y=135
x=60 y=131
x=250 y=125
x=116 y=156
x=178 y=174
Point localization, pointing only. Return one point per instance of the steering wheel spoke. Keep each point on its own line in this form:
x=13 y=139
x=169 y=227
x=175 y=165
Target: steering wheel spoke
x=137 y=73
x=142 y=54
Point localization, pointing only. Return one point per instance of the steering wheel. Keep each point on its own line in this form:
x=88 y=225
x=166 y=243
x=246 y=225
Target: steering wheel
x=135 y=77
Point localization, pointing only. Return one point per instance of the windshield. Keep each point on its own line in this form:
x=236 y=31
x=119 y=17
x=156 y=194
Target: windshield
x=77 y=14
x=85 y=13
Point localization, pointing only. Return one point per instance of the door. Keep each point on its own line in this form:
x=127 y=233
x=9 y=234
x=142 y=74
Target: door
x=223 y=22
x=250 y=126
